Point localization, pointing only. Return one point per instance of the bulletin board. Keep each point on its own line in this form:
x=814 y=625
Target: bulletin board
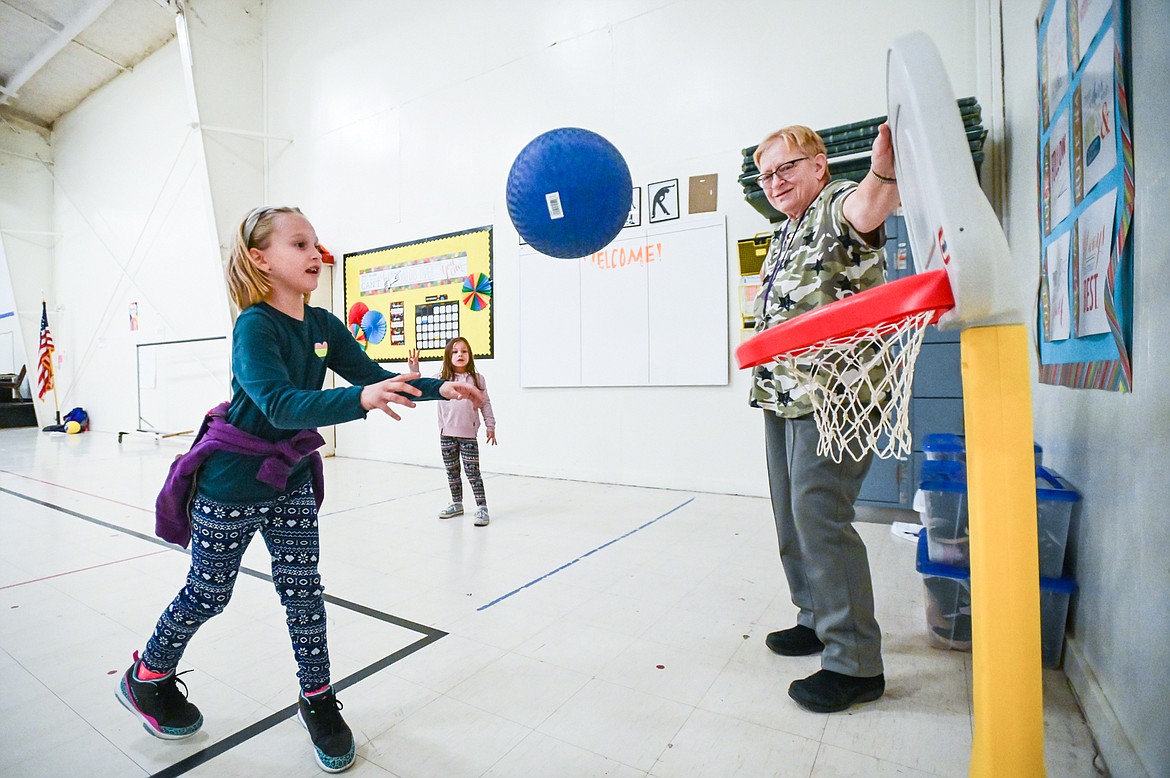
x=649 y=309
x=1086 y=176
x=421 y=294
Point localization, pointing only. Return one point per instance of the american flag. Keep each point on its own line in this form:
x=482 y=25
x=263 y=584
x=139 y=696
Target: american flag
x=45 y=365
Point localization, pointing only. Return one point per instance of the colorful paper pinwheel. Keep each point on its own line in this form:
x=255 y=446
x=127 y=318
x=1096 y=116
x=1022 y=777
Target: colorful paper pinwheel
x=374 y=325
x=477 y=291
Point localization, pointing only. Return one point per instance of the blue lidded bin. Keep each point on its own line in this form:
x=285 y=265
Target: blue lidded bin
x=1054 y=504
x=948 y=607
x=944 y=446
x=944 y=491
x=949 y=446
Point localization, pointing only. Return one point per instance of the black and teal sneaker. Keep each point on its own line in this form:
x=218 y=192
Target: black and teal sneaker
x=333 y=745
x=162 y=708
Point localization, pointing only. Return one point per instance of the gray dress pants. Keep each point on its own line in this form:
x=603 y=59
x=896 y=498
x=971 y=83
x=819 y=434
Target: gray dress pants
x=823 y=556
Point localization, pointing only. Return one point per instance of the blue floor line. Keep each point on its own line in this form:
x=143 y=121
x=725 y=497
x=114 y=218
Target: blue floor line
x=587 y=553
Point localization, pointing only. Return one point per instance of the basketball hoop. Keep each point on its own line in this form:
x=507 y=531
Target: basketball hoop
x=855 y=359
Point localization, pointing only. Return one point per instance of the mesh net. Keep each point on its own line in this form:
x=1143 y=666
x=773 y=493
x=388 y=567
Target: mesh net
x=860 y=387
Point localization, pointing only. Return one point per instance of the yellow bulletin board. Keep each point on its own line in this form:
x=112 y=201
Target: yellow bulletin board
x=421 y=294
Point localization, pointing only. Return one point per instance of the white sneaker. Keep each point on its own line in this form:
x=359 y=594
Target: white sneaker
x=451 y=511
x=481 y=516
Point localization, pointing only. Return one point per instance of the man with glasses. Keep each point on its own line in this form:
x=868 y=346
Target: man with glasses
x=829 y=247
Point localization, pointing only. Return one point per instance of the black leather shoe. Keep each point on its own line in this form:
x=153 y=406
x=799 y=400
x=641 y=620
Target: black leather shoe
x=827 y=692
x=797 y=641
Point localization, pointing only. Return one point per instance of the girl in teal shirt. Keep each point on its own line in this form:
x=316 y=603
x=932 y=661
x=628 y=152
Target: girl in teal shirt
x=281 y=348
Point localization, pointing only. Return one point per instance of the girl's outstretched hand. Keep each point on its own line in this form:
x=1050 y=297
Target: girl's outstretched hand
x=390 y=392
x=412 y=361
x=491 y=437
x=452 y=390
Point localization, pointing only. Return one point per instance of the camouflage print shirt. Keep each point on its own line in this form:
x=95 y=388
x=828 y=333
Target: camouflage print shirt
x=819 y=259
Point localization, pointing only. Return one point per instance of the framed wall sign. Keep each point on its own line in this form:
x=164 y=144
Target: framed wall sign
x=662 y=200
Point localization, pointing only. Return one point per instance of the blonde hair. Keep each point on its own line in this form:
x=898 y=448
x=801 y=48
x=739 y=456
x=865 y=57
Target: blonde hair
x=796 y=136
x=248 y=284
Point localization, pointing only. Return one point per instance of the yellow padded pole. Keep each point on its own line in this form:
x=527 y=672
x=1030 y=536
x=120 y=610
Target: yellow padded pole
x=1005 y=569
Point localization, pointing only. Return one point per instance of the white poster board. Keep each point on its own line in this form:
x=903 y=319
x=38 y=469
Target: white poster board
x=649 y=309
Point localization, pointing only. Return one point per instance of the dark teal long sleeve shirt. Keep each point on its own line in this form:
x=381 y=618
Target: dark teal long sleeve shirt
x=278 y=368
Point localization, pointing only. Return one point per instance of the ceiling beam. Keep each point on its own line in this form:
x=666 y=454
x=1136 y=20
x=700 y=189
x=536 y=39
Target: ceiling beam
x=33 y=13
x=70 y=29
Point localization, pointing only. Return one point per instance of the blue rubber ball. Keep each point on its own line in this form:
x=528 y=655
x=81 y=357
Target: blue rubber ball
x=569 y=192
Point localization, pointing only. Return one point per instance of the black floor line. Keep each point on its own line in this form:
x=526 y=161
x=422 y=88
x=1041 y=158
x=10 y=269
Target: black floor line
x=429 y=635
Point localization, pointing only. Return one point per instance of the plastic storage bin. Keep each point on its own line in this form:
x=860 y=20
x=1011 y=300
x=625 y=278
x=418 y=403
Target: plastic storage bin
x=949 y=446
x=944 y=491
x=944 y=446
x=945 y=515
x=947 y=601
x=1054 y=504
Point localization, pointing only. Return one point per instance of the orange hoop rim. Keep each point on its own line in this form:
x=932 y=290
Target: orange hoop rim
x=891 y=302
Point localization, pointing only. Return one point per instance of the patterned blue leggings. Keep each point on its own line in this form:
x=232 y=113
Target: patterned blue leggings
x=468 y=449
x=220 y=533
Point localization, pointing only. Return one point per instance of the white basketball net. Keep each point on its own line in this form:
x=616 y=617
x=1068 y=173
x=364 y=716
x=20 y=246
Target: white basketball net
x=860 y=387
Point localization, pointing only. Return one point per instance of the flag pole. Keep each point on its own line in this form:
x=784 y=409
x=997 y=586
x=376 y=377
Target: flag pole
x=47 y=358
x=56 y=404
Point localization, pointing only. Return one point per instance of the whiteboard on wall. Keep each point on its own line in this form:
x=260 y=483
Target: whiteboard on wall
x=650 y=309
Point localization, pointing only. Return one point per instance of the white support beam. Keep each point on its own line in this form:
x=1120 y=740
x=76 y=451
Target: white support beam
x=70 y=29
x=241 y=133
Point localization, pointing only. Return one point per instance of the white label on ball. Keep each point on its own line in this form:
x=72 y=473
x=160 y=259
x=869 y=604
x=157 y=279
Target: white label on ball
x=553 y=199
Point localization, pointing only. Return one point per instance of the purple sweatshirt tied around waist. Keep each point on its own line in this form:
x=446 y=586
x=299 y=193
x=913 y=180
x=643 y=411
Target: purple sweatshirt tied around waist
x=172 y=522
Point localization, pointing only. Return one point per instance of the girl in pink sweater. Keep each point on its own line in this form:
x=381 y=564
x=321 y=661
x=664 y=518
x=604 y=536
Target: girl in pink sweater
x=458 y=427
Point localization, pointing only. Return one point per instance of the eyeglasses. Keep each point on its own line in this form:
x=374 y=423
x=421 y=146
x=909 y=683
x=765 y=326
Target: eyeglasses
x=782 y=172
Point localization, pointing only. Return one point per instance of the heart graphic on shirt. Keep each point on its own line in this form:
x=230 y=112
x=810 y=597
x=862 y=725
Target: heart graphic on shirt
x=288 y=557
x=321 y=349
x=235 y=514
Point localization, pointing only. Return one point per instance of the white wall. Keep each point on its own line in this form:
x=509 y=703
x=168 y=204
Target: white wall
x=26 y=243
x=407 y=117
x=1112 y=446
x=131 y=202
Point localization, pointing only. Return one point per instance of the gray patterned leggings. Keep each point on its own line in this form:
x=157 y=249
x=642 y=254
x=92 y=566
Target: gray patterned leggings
x=468 y=449
x=220 y=533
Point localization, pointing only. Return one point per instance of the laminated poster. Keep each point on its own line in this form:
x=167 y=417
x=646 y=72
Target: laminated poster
x=1090 y=14
x=1057 y=175
x=1055 y=300
x=1098 y=141
x=1092 y=251
x=1055 y=62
